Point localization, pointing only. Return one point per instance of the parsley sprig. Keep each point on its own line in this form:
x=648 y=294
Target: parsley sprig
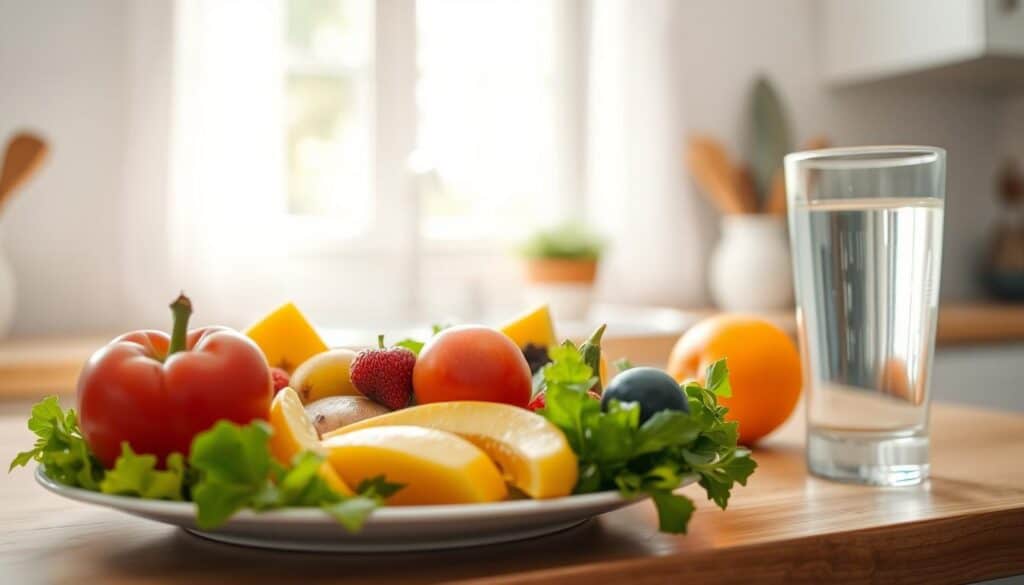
x=616 y=452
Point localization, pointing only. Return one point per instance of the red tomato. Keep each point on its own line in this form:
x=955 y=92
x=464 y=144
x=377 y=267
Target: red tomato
x=471 y=362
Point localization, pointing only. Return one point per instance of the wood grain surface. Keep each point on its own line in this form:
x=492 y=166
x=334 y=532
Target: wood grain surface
x=964 y=525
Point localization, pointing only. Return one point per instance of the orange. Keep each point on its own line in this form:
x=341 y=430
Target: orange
x=764 y=369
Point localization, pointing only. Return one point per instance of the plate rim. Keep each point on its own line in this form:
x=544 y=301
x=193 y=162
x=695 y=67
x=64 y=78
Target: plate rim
x=385 y=515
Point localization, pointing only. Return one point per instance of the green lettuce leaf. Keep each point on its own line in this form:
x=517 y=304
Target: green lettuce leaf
x=137 y=475
x=234 y=471
x=60 y=447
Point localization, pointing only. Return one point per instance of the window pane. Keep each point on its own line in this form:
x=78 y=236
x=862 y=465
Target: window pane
x=328 y=86
x=485 y=98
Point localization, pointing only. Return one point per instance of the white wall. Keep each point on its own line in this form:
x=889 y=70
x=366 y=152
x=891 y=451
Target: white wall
x=62 y=74
x=722 y=44
x=68 y=69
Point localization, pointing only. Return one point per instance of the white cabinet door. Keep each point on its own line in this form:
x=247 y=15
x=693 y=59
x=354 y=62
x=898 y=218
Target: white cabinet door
x=865 y=40
x=991 y=376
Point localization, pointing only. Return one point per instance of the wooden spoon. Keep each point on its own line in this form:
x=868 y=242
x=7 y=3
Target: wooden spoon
x=746 y=190
x=25 y=152
x=709 y=163
x=776 y=203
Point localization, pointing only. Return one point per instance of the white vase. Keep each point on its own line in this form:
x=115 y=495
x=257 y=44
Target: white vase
x=750 y=267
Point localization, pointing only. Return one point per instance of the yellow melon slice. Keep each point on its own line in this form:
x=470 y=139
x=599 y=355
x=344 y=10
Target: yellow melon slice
x=294 y=433
x=534 y=326
x=531 y=452
x=286 y=337
x=435 y=467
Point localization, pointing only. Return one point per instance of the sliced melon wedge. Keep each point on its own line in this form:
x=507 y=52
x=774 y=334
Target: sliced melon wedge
x=294 y=433
x=532 y=453
x=434 y=467
x=532 y=327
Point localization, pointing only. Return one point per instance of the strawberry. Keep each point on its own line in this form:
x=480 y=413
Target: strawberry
x=280 y=377
x=384 y=374
x=539 y=402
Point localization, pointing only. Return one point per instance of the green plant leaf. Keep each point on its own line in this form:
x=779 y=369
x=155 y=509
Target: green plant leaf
x=351 y=512
x=569 y=241
x=378 y=488
x=668 y=428
x=234 y=465
x=137 y=475
x=412 y=345
x=674 y=511
x=768 y=136
x=717 y=379
x=623 y=364
x=59 y=447
x=655 y=458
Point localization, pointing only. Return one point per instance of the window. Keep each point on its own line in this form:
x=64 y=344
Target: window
x=329 y=87
x=481 y=83
x=369 y=160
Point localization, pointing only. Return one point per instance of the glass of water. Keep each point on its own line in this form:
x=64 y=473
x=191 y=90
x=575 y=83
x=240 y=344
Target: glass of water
x=865 y=228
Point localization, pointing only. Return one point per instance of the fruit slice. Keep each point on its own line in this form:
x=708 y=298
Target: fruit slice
x=286 y=337
x=532 y=453
x=294 y=433
x=435 y=467
x=325 y=374
x=293 y=429
x=333 y=480
x=533 y=327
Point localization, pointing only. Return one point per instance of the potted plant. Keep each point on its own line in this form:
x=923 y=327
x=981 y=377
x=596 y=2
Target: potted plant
x=561 y=267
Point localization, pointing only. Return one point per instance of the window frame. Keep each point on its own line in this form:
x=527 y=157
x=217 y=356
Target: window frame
x=395 y=217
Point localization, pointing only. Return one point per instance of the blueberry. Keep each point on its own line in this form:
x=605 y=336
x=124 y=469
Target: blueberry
x=651 y=388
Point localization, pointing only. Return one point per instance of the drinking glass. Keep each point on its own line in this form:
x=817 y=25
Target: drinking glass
x=865 y=229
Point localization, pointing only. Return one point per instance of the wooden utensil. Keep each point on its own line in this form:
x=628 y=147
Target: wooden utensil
x=776 y=202
x=709 y=163
x=746 y=189
x=25 y=153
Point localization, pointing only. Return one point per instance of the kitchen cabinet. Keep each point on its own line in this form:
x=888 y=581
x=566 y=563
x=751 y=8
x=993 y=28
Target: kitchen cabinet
x=974 y=42
x=980 y=375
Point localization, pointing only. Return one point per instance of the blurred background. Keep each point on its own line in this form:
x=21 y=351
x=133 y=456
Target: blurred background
x=384 y=162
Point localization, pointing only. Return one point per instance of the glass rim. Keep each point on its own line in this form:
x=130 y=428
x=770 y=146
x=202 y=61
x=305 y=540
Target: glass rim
x=867 y=157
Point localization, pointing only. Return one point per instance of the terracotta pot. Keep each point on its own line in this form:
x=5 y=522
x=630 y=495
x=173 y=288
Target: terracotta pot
x=558 y=270
x=566 y=286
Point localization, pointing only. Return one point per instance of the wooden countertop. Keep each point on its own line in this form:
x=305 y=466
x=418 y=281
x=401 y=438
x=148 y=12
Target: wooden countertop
x=37 y=367
x=966 y=524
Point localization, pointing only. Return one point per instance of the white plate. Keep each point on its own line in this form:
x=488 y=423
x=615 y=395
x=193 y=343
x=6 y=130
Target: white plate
x=396 y=528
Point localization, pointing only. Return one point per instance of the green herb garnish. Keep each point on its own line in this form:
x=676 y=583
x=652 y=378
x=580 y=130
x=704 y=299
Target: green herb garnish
x=59 y=447
x=414 y=345
x=616 y=452
x=229 y=469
